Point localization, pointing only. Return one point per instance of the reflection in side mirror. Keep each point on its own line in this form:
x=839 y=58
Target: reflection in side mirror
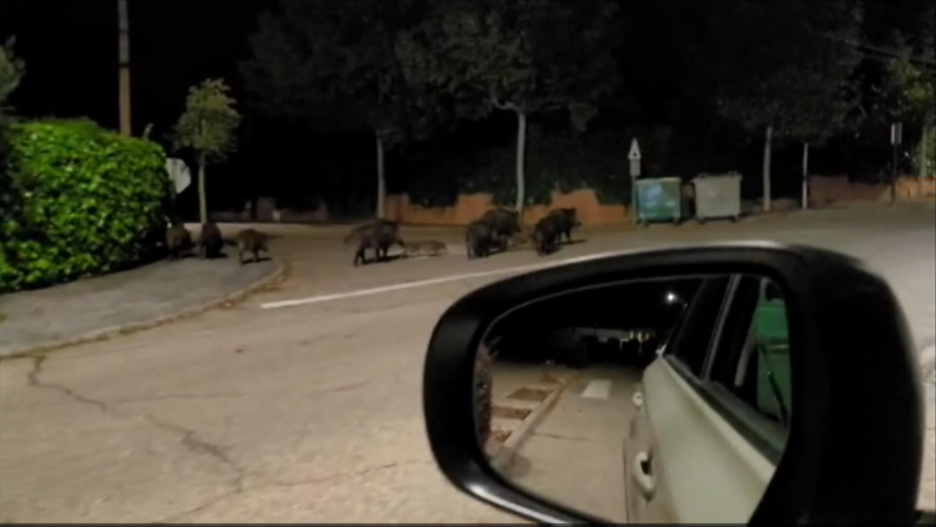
x=663 y=400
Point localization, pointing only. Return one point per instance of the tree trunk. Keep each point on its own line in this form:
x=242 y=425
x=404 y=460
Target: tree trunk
x=202 y=199
x=893 y=177
x=521 y=150
x=123 y=45
x=921 y=169
x=381 y=179
x=805 y=175
x=767 y=140
x=926 y=141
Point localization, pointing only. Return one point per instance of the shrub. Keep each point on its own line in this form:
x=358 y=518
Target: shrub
x=81 y=201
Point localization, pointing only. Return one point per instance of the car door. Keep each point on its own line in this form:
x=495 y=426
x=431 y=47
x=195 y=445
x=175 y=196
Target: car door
x=714 y=408
x=648 y=491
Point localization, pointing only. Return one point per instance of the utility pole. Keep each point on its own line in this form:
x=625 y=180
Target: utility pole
x=123 y=42
x=766 y=171
x=805 y=189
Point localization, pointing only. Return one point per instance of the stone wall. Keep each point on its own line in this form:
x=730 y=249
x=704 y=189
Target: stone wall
x=267 y=212
x=824 y=191
x=831 y=190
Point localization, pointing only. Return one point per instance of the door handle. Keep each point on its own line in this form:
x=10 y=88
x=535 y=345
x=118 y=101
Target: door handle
x=642 y=475
x=637 y=400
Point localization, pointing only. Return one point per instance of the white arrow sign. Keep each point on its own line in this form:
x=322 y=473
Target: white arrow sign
x=634 y=154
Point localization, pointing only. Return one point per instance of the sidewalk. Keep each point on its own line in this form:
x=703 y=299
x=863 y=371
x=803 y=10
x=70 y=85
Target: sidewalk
x=574 y=455
x=97 y=307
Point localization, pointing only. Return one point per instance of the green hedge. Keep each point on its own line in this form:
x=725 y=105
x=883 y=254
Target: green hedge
x=78 y=201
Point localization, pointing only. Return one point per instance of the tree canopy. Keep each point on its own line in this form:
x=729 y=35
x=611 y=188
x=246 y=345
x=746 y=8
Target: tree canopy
x=785 y=65
x=524 y=56
x=208 y=127
x=520 y=55
x=209 y=122
x=331 y=64
x=419 y=69
x=334 y=66
x=12 y=70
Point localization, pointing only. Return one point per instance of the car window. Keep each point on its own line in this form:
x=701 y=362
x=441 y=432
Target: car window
x=697 y=327
x=735 y=327
x=752 y=362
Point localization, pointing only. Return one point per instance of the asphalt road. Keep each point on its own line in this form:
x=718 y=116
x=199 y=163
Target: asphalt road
x=311 y=412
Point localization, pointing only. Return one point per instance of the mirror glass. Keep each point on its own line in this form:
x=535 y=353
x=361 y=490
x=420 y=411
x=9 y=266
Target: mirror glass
x=660 y=400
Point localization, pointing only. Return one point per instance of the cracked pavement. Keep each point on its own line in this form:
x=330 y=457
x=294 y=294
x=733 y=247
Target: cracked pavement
x=89 y=434
x=314 y=413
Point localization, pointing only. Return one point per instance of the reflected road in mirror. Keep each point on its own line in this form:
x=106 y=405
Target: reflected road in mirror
x=663 y=400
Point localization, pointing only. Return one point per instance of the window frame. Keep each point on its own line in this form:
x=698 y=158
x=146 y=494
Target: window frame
x=675 y=337
x=766 y=435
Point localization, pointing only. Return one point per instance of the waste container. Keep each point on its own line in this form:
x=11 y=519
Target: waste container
x=717 y=196
x=773 y=342
x=659 y=199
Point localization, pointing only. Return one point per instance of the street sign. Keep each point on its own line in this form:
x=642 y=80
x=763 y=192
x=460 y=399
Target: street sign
x=634 y=156
x=178 y=173
x=896 y=133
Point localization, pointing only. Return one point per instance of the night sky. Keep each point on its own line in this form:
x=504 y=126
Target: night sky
x=70 y=49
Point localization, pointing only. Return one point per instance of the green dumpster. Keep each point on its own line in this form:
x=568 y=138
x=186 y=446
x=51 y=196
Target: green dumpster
x=659 y=199
x=773 y=342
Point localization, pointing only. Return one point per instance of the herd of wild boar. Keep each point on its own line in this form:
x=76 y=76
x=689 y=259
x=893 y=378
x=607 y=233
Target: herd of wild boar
x=499 y=228
x=496 y=231
x=179 y=242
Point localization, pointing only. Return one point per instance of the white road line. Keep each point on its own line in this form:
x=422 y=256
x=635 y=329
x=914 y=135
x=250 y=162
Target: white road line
x=598 y=389
x=421 y=283
x=518 y=269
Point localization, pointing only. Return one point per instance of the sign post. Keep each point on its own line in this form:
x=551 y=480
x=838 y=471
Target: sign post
x=634 y=160
x=896 y=139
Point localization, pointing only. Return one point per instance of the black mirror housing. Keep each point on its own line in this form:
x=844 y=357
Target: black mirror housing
x=855 y=445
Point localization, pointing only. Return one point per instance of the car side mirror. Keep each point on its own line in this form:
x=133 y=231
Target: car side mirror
x=722 y=383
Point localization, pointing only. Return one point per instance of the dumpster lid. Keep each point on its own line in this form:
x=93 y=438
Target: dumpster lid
x=655 y=179
x=704 y=175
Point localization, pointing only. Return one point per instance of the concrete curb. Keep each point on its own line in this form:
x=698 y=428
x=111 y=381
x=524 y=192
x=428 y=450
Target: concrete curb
x=278 y=274
x=504 y=454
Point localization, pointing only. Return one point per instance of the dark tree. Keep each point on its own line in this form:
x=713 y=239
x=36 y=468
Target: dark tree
x=784 y=68
x=521 y=56
x=334 y=65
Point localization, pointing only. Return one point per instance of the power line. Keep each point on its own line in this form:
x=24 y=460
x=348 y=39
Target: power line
x=889 y=52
